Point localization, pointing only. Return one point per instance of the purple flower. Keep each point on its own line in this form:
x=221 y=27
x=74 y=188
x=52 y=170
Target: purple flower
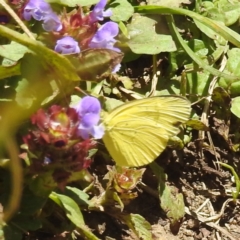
x=51 y=22
x=98 y=12
x=116 y=68
x=37 y=9
x=104 y=37
x=67 y=45
x=88 y=111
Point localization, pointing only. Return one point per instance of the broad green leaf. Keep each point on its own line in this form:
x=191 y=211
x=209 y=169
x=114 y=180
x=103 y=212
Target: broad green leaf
x=13 y=51
x=235 y=108
x=199 y=47
x=73 y=213
x=172 y=203
x=229 y=9
x=139 y=225
x=11 y=232
x=232 y=14
x=220 y=29
x=197 y=83
x=74 y=3
x=233 y=68
x=71 y=208
x=170 y=200
x=111 y=103
x=24 y=98
x=122 y=10
x=215 y=14
x=43 y=184
x=143 y=38
x=80 y=197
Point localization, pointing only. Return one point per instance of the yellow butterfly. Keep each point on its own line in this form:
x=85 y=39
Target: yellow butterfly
x=138 y=131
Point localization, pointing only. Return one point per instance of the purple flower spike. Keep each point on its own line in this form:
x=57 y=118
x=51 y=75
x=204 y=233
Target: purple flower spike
x=67 y=45
x=88 y=111
x=98 y=12
x=104 y=37
x=37 y=9
x=51 y=22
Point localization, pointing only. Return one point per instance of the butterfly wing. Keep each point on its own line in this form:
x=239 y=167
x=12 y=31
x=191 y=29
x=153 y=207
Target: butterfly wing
x=138 y=131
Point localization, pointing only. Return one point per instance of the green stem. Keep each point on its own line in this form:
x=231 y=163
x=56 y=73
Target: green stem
x=194 y=57
x=17 y=19
x=59 y=64
x=237 y=181
x=219 y=28
x=16 y=174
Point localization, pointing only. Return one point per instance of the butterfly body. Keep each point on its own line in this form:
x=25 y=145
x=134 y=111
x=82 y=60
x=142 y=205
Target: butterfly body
x=138 y=131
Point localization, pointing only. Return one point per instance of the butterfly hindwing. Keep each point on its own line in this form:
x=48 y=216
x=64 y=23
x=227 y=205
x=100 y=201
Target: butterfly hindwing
x=138 y=131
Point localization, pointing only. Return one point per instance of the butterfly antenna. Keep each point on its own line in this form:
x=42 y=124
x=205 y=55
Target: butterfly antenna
x=78 y=89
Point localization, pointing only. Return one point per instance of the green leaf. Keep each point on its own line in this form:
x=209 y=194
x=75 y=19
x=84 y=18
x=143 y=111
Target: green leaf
x=139 y=225
x=235 y=108
x=171 y=201
x=111 y=103
x=219 y=28
x=230 y=11
x=232 y=14
x=13 y=51
x=208 y=31
x=73 y=213
x=23 y=97
x=168 y=3
x=194 y=57
x=70 y=206
x=43 y=184
x=122 y=10
x=80 y=197
x=11 y=232
x=143 y=38
x=199 y=47
x=74 y=3
x=197 y=83
x=232 y=68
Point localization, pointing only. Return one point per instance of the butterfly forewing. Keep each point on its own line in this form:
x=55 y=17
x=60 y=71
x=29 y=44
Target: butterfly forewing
x=138 y=131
